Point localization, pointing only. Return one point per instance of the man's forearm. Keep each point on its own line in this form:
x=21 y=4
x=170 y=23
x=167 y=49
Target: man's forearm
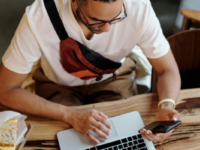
x=27 y=102
x=168 y=86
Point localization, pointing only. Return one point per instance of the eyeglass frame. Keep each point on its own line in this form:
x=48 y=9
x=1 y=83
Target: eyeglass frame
x=110 y=22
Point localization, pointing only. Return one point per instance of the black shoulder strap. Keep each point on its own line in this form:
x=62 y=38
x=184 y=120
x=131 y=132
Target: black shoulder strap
x=55 y=19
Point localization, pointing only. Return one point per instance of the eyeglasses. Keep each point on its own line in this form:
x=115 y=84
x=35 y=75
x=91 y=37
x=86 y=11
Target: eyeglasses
x=96 y=26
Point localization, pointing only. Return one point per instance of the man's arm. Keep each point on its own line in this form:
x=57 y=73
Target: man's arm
x=14 y=97
x=168 y=87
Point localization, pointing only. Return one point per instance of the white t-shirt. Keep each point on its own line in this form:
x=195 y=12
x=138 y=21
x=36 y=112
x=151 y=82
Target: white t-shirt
x=36 y=38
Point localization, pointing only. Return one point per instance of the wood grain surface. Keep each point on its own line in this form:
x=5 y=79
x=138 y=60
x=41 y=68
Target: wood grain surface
x=191 y=14
x=191 y=19
x=186 y=136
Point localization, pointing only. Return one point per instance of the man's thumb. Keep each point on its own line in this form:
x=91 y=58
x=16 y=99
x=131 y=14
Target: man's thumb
x=175 y=115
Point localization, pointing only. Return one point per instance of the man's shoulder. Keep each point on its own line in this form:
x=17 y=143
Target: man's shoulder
x=37 y=8
x=136 y=5
x=137 y=2
x=39 y=22
x=137 y=9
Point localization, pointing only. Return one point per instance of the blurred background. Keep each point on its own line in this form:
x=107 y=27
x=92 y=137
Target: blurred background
x=168 y=12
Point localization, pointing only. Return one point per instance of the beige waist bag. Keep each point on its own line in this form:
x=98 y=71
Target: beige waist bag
x=128 y=67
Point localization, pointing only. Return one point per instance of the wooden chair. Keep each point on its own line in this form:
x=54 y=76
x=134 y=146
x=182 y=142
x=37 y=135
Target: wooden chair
x=191 y=19
x=186 y=49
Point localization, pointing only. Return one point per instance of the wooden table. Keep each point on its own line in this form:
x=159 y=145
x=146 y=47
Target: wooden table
x=191 y=19
x=186 y=136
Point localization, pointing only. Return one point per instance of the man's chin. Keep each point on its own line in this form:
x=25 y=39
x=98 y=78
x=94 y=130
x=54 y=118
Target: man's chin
x=98 y=32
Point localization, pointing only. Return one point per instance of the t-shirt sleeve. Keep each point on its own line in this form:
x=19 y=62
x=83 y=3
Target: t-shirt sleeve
x=23 y=51
x=152 y=42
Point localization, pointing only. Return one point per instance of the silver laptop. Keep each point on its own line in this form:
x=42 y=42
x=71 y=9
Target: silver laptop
x=124 y=136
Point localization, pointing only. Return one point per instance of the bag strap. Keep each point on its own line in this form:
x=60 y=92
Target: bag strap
x=55 y=19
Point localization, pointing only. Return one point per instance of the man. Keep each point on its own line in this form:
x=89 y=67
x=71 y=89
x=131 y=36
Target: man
x=36 y=38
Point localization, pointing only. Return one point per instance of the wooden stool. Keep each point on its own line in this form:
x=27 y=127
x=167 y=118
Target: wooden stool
x=191 y=19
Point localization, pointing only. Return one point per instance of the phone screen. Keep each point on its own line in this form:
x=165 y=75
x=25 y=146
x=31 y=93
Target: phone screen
x=162 y=126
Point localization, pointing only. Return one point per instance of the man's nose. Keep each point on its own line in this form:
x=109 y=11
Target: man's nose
x=106 y=27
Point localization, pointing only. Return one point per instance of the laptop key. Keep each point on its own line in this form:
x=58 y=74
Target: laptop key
x=129 y=148
x=124 y=140
x=93 y=148
x=110 y=149
x=139 y=136
x=129 y=138
x=134 y=147
x=134 y=137
x=144 y=148
x=108 y=145
x=141 y=141
x=115 y=148
x=135 y=142
x=130 y=143
x=141 y=145
x=120 y=146
x=125 y=145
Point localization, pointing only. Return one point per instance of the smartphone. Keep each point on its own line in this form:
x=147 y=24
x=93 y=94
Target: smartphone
x=162 y=126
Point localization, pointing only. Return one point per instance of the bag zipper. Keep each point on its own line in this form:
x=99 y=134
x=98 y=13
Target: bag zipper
x=100 y=75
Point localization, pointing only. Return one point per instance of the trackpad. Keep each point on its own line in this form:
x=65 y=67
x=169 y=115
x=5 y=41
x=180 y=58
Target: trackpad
x=112 y=134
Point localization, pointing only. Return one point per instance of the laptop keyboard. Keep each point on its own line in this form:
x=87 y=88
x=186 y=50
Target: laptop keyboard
x=135 y=142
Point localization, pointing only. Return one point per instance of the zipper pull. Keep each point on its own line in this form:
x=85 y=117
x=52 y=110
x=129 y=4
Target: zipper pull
x=99 y=78
x=114 y=77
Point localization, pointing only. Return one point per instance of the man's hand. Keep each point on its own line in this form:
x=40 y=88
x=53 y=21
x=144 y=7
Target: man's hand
x=88 y=119
x=164 y=114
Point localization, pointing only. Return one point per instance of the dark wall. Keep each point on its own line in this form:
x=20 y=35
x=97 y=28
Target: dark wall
x=11 y=12
x=166 y=11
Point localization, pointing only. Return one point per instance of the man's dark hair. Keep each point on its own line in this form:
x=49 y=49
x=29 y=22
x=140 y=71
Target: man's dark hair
x=84 y=2
x=105 y=0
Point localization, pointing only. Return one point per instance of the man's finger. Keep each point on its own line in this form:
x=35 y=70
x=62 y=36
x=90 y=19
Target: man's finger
x=143 y=131
x=158 y=137
x=100 y=133
x=175 y=115
x=100 y=126
x=102 y=120
x=100 y=113
x=93 y=138
x=170 y=132
x=103 y=115
x=162 y=136
x=151 y=136
x=146 y=136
